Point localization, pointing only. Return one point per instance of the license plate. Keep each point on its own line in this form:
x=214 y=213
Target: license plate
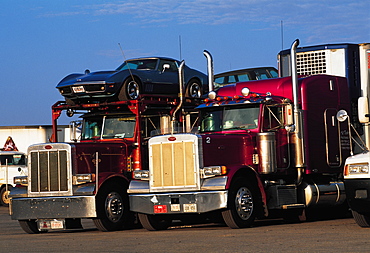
x=50 y=224
x=56 y=224
x=78 y=89
x=190 y=208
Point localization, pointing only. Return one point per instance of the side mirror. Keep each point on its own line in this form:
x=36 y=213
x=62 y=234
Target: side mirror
x=74 y=130
x=165 y=66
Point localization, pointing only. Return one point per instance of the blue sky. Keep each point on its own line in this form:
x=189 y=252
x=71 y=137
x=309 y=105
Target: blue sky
x=44 y=40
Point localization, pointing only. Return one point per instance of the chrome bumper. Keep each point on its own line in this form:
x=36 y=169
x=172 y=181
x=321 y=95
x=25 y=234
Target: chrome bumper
x=178 y=203
x=53 y=207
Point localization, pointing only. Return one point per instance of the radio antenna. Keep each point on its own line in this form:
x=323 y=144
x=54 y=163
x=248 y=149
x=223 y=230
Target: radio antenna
x=180 y=47
x=282 y=34
x=124 y=58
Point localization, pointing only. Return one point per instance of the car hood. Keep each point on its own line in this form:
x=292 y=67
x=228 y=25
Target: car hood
x=83 y=78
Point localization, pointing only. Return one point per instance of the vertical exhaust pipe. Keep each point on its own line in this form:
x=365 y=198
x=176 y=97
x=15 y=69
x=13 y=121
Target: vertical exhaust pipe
x=298 y=122
x=181 y=95
x=209 y=69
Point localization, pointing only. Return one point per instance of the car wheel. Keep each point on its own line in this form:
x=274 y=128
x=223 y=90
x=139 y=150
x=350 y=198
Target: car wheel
x=130 y=90
x=154 y=222
x=193 y=89
x=112 y=208
x=241 y=205
x=4 y=197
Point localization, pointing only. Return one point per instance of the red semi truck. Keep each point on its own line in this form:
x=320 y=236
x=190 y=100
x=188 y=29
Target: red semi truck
x=89 y=178
x=266 y=147
x=353 y=62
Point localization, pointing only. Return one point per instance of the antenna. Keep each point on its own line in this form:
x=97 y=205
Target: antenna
x=282 y=34
x=124 y=58
x=180 y=47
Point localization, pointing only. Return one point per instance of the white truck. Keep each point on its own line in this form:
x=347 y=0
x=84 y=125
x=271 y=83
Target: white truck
x=12 y=163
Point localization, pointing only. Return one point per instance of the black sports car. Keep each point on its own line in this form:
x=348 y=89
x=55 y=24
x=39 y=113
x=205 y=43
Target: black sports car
x=154 y=75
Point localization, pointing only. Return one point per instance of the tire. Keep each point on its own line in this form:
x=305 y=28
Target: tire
x=130 y=90
x=112 y=208
x=242 y=205
x=361 y=219
x=30 y=226
x=4 y=196
x=154 y=222
x=194 y=89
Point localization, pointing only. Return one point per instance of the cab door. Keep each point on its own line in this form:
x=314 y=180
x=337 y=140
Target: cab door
x=273 y=120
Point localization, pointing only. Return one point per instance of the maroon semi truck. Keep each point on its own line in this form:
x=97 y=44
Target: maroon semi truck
x=89 y=177
x=266 y=147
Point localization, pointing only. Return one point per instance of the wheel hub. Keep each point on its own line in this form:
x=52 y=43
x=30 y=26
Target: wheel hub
x=114 y=207
x=133 y=90
x=244 y=203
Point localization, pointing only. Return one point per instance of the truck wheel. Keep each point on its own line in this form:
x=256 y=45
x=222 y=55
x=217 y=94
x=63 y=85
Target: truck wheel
x=4 y=197
x=112 y=208
x=361 y=219
x=193 y=89
x=130 y=90
x=30 y=226
x=241 y=204
x=154 y=222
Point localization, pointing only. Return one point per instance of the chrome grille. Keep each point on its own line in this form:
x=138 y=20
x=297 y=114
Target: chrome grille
x=49 y=171
x=174 y=164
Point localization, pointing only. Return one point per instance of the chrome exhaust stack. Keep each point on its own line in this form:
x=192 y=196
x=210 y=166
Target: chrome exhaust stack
x=298 y=121
x=181 y=94
x=209 y=69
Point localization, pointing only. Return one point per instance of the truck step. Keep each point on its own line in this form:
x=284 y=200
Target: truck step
x=293 y=206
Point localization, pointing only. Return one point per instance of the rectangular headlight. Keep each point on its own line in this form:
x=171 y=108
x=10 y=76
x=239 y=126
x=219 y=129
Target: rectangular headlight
x=21 y=180
x=354 y=169
x=141 y=174
x=213 y=171
x=84 y=178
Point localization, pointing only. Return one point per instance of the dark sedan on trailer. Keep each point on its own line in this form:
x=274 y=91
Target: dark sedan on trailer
x=243 y=75
x=154 y=75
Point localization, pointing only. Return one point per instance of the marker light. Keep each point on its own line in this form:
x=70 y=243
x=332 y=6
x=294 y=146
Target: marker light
x=245 y=91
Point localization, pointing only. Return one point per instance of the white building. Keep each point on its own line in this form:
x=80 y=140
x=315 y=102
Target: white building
x=24 y=136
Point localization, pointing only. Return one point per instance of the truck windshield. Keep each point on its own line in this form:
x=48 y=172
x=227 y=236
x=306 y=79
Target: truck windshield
x=229 y=118
x=108 y=128
x=16 y=159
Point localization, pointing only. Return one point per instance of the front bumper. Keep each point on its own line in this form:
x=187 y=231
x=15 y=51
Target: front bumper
x=358 y=194
x=179 y=202
x=53 y=207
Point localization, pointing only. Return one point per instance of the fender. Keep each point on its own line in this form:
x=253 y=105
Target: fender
x=247 y=171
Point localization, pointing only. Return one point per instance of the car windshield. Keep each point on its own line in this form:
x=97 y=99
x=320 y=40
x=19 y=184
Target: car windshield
x=139 y=64
x=229 y=118
x=108 y=127
x=16 y=159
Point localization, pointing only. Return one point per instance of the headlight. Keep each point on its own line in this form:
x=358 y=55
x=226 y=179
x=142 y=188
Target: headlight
x=213 y=171
x=83 y=178
x=21 y=180
x=354 y=169
x=141 y=174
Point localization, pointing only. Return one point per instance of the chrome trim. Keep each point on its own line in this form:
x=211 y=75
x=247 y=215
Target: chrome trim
x=53 y=207
x=201 y=201
x=138 y=187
